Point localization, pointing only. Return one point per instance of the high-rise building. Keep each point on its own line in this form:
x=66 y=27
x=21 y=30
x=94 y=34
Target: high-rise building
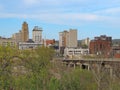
x=67 y=39
x=63 y=39
x=72 y=38
x=37 y=34
x=25 y=32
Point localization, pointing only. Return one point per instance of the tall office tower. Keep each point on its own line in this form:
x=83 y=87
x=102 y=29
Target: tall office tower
x=37 y=34
x=72 y=38
x=63 y=39
x=68 y=39
x=25 y=32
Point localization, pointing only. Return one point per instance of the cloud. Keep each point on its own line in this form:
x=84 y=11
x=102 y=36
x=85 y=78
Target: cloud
x=109 y=12
x=30 y=2
x=62 y=18
x=48 y=3
x=52 y=11
x=1 y=7
x=12 y=15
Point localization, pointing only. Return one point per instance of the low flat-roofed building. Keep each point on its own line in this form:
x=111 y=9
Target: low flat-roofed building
x=29 y=45
x=7 y=41
x=75 y=51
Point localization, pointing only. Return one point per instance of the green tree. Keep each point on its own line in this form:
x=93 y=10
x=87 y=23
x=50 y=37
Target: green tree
x=78 y=80
x=6 y=55
x=36 y=64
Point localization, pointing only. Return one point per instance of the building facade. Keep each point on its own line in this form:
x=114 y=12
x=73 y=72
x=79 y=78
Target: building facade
x=101 y=45
x=30 y=44
x=25 y=32
x=17 y=36
x=37 y=34
x=50 y=42
x=68 y=38
x=64 y=39
x=7 y=42
x=72 y=38
x=68 y=52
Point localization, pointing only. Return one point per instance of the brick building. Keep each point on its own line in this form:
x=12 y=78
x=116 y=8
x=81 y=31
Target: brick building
x=101 y=45
x=50 y=42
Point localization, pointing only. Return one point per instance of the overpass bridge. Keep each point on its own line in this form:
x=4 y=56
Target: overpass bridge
x=102 y=61
x=99 y=63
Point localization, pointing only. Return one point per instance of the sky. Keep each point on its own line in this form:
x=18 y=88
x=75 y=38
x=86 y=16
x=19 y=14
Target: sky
x=90 y=17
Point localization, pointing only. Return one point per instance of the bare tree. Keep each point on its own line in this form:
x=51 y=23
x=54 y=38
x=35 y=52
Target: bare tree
x=102 y=73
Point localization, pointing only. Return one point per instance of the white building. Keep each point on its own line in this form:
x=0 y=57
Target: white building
x=37 y=34
x=75 y=51
x=29 y=45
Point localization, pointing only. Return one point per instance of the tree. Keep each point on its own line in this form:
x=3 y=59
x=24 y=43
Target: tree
x=36 y=64
x=78 y=80
x=6 y=78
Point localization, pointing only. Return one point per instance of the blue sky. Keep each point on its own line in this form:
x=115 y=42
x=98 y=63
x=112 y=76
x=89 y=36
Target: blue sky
x=90 y=17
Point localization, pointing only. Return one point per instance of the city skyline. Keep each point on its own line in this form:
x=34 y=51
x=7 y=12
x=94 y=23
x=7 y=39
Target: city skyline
x=90 y=17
